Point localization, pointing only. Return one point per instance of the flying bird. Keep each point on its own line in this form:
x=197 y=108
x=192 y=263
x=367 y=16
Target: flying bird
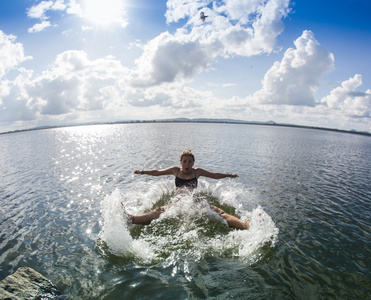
x=202 y=16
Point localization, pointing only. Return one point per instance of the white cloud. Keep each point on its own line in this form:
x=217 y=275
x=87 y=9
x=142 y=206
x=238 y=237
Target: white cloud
x=74 y=8
x=15 y=104
x=38 y=11
x=294 y=80
x=11 y=53
x=75 y=87
x=257 y=25
x=76 y=83
x=167 y=58
x=73 y=83
x=179 y=9
x=350 y=102
x=245 y=28
x=174 y=98
x=59 y=5
x=39 y=27
x=101 y=12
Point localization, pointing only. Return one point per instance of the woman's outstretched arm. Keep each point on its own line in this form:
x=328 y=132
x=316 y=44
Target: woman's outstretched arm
x=169 y=171
x=214 y=175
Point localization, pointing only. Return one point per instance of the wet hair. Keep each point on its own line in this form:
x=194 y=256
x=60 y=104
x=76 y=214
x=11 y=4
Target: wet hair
x=187 y=153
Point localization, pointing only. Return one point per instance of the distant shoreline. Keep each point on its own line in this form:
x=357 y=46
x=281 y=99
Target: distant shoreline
x=185 y=120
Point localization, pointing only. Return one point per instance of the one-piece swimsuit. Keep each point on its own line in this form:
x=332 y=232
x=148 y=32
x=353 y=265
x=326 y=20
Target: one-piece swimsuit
x=189 y=183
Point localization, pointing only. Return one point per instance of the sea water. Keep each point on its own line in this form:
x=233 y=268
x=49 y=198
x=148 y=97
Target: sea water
x=65 y=194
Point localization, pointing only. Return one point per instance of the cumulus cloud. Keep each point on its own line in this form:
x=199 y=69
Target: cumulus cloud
x=245 y=28
x=166 y=59
x=15 y=102
x=349 y=101
x=39 y=27
x=257 y=25
x=38 y=11
x=74 y=8
x=73 y=83
x=11 y=53
x=174 y=98
x=294 y=80
x=96 y=11
x=76 y=83
x=180 y=9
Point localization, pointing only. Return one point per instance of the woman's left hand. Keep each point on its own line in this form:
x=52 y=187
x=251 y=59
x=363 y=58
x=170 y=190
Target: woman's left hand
x=232 y=175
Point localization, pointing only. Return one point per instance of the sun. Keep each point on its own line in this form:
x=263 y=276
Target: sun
x=104 y=12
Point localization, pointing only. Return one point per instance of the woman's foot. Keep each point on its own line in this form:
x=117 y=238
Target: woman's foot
x=129 y=218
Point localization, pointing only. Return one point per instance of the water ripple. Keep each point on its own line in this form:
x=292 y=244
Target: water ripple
x=313 y=186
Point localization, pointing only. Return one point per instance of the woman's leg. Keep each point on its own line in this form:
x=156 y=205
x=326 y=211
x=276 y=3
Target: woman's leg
x=232 y=221
x=147 y=218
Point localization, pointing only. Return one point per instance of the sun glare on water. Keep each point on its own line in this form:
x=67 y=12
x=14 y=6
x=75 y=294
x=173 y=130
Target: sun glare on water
x=104 y=12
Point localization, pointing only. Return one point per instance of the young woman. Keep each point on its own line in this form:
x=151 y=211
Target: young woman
x=186 y=177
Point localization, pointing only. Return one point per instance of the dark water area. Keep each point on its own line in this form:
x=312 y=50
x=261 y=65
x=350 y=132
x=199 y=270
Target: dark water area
x=307 y=193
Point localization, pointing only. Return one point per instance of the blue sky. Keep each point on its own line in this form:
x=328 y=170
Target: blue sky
x=73 y=61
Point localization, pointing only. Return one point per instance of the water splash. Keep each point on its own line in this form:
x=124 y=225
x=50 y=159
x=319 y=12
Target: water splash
x=187 y=229
x=115 y=232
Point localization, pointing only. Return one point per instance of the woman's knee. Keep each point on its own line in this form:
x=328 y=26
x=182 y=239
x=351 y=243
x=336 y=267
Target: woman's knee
x=159 y=210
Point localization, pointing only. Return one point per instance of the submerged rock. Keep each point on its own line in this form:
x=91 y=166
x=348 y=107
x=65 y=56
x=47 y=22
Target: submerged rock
x=26 y=283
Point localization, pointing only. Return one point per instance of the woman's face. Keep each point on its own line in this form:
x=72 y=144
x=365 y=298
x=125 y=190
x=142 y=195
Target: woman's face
x=187 y=163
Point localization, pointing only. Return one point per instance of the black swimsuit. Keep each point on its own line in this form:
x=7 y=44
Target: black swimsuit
x=189 y=183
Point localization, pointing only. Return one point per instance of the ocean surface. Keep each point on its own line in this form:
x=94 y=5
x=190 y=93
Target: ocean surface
x=64 y=193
